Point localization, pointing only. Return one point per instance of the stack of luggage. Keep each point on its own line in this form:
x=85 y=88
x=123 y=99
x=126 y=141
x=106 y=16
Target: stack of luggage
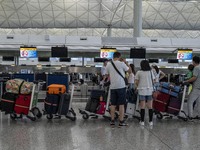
x=169 y=99
x=17 y=98
x=57 y=101
x=96 y=104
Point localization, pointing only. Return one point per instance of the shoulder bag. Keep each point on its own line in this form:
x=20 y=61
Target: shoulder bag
x=125 y=79
x=155 y=92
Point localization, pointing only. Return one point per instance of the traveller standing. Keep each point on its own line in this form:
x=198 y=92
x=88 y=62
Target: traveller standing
x=189 y=75
x=144 y=85
x=195 y=93
x=117 y=87
x=158 y=75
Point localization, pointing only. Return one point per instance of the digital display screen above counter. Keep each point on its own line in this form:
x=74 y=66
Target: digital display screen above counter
x=184 y=54
x=28 y=52
x=107 y=52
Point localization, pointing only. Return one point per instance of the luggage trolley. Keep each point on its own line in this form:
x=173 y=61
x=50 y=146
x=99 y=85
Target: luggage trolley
x=105 y=113
x=33 y=111
x=132 y=106
x=170 y=106
x=61 y=105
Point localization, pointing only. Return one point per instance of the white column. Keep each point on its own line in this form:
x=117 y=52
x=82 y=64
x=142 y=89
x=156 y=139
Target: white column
x=137 y=18
x=109 y=31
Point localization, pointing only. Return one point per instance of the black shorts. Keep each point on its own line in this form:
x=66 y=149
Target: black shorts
x=118 y=96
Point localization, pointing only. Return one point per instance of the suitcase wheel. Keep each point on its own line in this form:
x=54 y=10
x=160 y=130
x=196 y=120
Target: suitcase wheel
x=49 y=116
x=13 y=116
x=159 y=116
x=32 y=117
x=36 y=112
x=85 y=116
x=72 y=111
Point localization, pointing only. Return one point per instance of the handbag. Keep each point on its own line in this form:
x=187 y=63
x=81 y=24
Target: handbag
x=125 y=79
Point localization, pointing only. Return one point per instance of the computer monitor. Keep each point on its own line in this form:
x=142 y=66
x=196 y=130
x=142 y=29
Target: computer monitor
x=59 y=52
x=138 y=53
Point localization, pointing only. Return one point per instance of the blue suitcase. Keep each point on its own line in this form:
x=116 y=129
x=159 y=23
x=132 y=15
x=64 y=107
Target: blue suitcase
x=170 y=86
x=168 y=91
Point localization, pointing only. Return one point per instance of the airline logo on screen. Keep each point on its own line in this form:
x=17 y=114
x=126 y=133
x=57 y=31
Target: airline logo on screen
x=107 y=53
x=28 y=52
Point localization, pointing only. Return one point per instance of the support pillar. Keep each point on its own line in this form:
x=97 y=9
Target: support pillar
x=137 y=18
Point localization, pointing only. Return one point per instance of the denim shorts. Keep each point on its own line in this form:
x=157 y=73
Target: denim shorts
x=145 y=97
x=118 y=96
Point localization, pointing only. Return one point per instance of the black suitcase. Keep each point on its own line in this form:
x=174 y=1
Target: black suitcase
x=93 y=102
x=8 y=102
x=92 y=105
x=51 y=103
x=64 y=104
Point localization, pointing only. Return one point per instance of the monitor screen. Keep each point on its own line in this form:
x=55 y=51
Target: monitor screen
x=173 y=61
x=184 y=54
x=43 y=59
x=100 y=59
x=153 y=60
x=59 y=52
x=138 y=53
x=107 y=52
x=8 y=58
x=65 y=59
x=28 y=52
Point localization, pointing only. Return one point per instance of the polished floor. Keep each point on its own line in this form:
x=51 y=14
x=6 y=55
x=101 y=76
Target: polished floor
x=96 y=134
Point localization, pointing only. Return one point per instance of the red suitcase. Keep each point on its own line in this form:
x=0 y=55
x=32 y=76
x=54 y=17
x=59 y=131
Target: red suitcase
x=101 y=108
x=22 y=104
x=161 y=102
x=174 y=106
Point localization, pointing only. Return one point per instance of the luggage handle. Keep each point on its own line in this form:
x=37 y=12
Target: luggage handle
x=20 y=87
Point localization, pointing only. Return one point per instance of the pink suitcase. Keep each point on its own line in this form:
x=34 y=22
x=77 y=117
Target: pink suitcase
x=101 y=108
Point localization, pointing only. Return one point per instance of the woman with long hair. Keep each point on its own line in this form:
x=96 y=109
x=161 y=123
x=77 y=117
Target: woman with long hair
x=144 y=84
x=158 y=75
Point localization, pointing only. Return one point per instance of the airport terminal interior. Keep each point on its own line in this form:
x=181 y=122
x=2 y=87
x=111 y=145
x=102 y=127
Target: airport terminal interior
x=51 y=57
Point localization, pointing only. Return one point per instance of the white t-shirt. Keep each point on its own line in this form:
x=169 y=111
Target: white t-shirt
x=145 y=83
x=116 y=81
x=131 y=78
x=157 y=75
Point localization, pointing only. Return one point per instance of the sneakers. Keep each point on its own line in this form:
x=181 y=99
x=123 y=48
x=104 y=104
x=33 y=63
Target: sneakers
x=151 y=123
x=112 y=123
x=142 y=123
x=122 y=123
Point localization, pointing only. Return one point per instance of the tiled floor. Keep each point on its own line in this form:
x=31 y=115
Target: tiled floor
x=96 y=134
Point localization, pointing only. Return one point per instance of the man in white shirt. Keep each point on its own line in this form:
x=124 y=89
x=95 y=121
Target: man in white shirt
x=117 y=87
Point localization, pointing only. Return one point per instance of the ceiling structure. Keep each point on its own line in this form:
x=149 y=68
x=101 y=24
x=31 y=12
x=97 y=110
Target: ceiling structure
x=161 y=18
